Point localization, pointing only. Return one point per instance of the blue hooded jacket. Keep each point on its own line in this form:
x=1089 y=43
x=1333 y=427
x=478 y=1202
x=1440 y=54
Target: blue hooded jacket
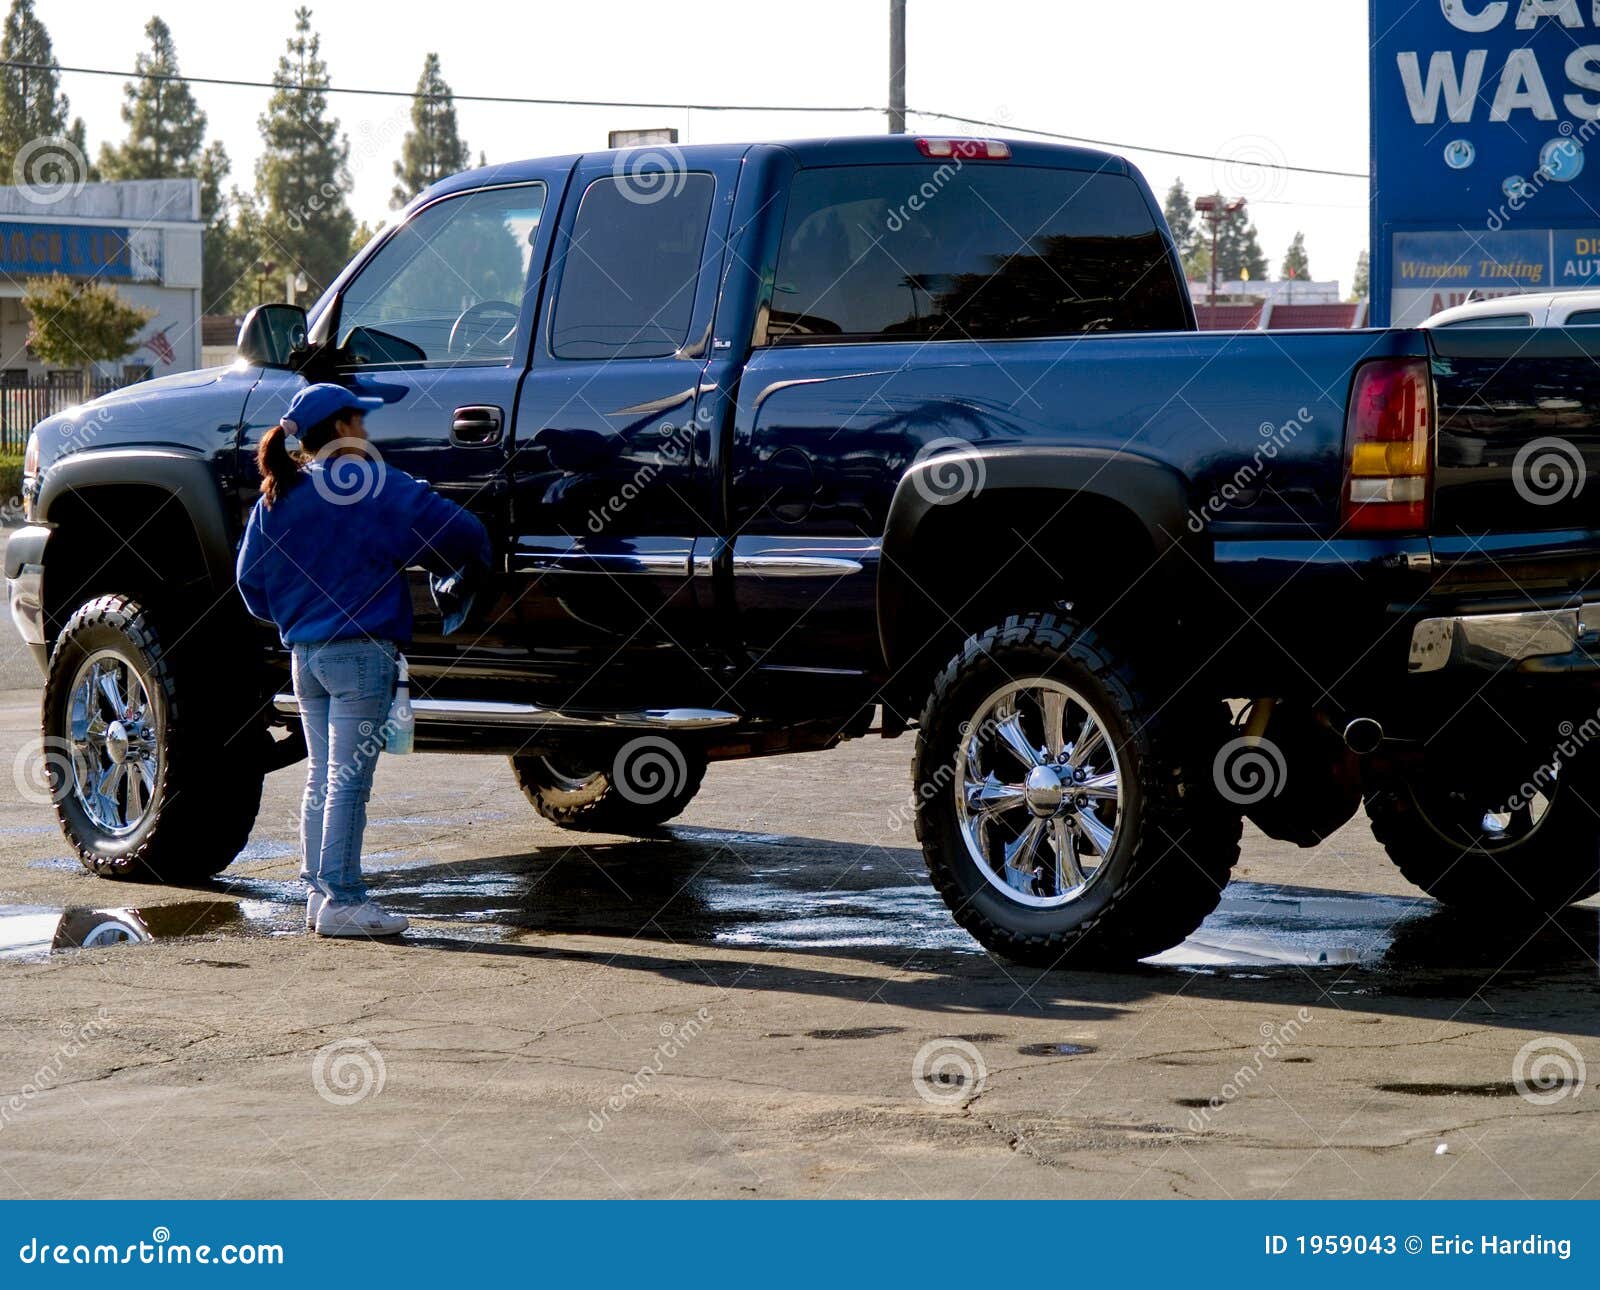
x=328 y=563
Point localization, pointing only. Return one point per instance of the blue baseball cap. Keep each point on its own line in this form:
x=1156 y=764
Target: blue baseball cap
x=316 y=403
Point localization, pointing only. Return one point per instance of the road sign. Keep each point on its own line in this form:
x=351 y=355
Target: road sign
x=1485 y=151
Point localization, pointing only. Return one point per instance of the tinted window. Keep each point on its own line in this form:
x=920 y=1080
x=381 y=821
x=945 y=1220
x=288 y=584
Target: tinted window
x=1583 y=318
x=1492 y=320
x=631 y=266
x=446 y=287
x=981 y=251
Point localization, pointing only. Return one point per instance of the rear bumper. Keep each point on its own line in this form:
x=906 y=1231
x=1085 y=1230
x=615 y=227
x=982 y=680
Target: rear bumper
x=25 y=590
x=1530 y=642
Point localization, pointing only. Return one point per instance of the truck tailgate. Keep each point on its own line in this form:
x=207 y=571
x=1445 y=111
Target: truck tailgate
x=1518 y=447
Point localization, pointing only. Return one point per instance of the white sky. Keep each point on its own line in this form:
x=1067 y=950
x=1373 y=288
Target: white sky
x=1273 y=79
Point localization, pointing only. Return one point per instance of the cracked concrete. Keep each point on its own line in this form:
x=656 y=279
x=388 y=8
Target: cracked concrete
x=532 y=1035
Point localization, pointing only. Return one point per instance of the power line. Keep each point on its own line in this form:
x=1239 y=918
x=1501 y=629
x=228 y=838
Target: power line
x=681 y=107
x=412 y=94
x=1138 y=147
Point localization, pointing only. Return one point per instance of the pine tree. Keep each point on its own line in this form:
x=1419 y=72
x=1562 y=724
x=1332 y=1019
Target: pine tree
x=34 y=114
x=433 y=147
x=303 y=173
x=1296 y=264
x=1180 y=219
x=1239 y=250
x=1361 y=286
x=166 y=128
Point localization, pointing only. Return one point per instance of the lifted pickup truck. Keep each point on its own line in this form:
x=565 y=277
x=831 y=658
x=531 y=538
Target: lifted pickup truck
x=784 y=444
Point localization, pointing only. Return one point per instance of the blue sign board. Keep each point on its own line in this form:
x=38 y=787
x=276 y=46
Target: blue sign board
x=77 y=250
x=1485 y=151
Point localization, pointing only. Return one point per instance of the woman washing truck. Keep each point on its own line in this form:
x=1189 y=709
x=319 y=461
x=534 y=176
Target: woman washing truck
x=326 y=565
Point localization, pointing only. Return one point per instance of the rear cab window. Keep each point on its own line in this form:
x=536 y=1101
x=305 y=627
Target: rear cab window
x=631 y=267
x=978 y=251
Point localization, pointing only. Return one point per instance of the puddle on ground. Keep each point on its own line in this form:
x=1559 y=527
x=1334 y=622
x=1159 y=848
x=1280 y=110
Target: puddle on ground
x=32 y=934
x=760 y=891
x=1055 y=1050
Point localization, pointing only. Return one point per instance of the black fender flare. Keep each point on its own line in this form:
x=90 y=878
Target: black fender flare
x=186 y=476
x=1153 y=492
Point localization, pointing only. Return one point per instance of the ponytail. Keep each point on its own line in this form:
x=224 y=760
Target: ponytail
x=280 y=469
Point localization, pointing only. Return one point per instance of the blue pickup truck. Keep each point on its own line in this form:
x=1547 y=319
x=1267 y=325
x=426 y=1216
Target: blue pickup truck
x=786 y=444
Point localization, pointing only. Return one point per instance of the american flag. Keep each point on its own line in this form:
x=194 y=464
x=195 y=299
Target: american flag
x=161 y=347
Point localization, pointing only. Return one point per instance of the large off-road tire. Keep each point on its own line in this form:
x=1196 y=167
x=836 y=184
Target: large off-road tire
x=152 y=773
x=638 y=787
x=1136 y=855
x=1444 y=822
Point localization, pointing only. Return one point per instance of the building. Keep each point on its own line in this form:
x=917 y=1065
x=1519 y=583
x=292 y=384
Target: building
x=143 y=236
x=1289 y=292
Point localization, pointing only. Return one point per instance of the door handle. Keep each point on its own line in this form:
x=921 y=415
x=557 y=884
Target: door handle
x=477 y=426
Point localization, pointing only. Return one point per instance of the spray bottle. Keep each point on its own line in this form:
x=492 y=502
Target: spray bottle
x=401 y=729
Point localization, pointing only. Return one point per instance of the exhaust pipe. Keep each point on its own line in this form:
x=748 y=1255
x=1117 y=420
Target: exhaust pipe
x=1363 y=735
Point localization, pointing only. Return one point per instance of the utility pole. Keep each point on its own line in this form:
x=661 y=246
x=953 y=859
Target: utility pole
x=897 y=66
x=1214 y=211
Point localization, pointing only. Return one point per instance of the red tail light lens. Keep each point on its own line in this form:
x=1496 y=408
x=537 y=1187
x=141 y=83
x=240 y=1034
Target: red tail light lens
x=1388 y=448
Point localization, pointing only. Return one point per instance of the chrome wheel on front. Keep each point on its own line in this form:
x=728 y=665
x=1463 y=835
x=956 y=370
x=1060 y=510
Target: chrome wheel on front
x=1038 y=792
x=114 y=731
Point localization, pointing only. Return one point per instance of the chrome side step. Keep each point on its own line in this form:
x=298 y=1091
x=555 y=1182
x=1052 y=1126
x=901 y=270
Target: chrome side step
x=465 y=712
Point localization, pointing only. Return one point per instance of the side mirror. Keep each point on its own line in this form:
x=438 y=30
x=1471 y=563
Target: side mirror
x=273 y=335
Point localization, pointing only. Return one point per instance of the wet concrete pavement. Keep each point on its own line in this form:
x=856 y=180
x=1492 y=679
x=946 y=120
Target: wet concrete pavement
x=769 y=999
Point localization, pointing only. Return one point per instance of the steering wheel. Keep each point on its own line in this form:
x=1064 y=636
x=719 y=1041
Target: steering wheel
x=479 y=314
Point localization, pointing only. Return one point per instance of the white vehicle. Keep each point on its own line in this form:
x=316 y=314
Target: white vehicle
x=1544 y=309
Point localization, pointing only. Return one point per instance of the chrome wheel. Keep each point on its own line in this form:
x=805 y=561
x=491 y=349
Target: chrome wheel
x=115 y=734
x=1038 y=792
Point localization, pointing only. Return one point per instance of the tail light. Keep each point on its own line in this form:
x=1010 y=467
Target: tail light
x=1388 y=448
x=965 y=149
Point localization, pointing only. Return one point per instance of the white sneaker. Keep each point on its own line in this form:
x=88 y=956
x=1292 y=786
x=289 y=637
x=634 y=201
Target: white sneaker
x=315 y=900
x=365 y=919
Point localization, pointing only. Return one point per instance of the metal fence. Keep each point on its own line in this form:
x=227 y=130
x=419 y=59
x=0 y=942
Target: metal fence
x=25 y=404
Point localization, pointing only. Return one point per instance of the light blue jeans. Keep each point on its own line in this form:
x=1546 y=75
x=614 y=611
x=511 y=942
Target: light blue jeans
x=345 y=689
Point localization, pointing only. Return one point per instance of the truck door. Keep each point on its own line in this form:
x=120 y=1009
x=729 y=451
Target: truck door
x=608 y=496
x=437 y=322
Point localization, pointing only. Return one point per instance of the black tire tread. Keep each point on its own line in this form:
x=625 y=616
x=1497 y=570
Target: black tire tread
x=609 y=811
x=198 y=829
x=1182 y=858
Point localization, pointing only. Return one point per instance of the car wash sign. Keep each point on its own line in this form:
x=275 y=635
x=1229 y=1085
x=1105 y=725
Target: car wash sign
x=1485 y=151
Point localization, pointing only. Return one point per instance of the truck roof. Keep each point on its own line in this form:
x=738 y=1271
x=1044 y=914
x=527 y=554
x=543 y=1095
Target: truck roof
x=844 y=150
